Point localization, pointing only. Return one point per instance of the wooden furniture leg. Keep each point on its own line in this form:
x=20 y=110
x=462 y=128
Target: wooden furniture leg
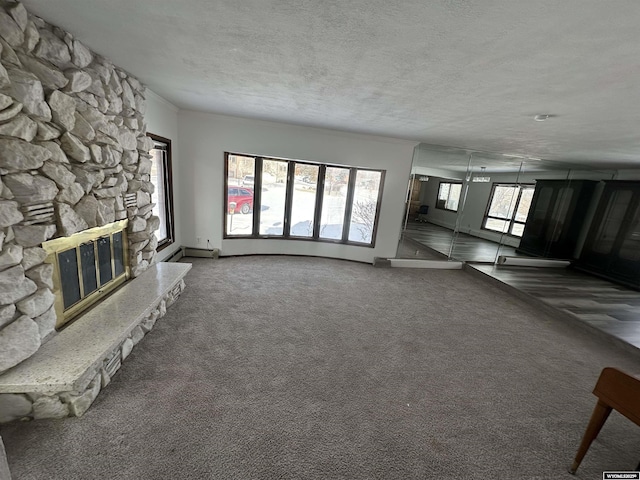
x=598 y=417
x=615 y=390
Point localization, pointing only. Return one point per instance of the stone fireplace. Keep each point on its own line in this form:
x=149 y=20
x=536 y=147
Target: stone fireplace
x=74 y=160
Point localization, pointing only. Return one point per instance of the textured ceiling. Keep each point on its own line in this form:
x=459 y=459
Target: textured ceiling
x=449 y=72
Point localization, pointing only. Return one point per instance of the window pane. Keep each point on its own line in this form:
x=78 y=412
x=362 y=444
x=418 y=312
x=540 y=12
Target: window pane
x=160 y=177
x=334 y=202
x=449 y=196
x=517 y=229
x=443 y=193
x=497 y=225
x=239 y=208
x=503 y=201
x=525 y=203
x=304 y=200
x=273 y=195
x=159 y=195
x=365 y=204
x=454 y=196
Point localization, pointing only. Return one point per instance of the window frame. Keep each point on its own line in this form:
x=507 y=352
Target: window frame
x=168 y=186
x=289 y=186
x=512 y=221
x=445 y=202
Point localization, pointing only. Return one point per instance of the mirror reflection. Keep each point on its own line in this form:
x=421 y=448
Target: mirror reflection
x=482 y=207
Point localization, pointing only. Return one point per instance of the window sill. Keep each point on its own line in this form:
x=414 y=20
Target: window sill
x=446 y=209
x=301 y=239
x=497 y=232
x=164 y=244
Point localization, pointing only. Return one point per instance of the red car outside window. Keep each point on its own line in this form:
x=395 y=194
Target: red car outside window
x=242 y=197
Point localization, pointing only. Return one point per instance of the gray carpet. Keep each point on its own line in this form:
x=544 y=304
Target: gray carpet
x=290 y=368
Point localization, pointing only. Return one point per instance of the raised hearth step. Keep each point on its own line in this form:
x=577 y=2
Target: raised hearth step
x=69 y=361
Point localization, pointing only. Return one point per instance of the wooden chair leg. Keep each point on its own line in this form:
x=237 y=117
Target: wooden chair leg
x=598 y=417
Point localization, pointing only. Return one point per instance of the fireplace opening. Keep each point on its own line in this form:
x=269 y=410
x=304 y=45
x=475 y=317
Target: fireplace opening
x=87 y=266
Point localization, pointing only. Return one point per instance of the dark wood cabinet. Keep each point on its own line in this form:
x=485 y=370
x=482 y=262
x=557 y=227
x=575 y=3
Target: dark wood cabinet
x=612 y=248
x=556 y=217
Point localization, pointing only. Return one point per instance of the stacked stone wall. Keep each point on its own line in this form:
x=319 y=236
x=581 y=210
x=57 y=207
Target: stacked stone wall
x=74 y=154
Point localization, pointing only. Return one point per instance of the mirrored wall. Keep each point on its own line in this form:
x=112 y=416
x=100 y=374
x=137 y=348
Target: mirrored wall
x=481 y=207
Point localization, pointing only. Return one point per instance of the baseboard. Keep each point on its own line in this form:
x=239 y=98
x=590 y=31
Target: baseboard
x=440 y=223
x=177 y=255
x=200 y=252
x=532 y=262
x=428 y=264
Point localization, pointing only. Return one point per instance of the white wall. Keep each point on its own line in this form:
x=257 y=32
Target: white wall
x=205 y=137
x=429 y=196
x=162 y=119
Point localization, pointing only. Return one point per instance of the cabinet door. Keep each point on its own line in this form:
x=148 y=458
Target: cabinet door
x=558 y=217
x=626 y=259
x=599 y=249
x=533 y=237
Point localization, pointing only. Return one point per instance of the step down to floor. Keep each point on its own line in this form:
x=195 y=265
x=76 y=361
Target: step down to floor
x=91 y=348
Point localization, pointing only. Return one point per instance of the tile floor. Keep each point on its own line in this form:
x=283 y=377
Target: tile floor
x=605 y=306
x=467 y=248
x=608 y=307
x=409 y=248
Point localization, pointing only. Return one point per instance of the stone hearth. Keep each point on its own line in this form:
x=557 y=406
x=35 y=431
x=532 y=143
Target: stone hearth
x=65 y=376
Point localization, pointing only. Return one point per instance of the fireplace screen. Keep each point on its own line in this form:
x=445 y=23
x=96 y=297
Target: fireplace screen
x=87 y=266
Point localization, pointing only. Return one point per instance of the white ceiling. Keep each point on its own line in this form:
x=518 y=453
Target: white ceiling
x=452 y=72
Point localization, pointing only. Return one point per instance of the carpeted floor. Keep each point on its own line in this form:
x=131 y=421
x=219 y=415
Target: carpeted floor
x=303 y=368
